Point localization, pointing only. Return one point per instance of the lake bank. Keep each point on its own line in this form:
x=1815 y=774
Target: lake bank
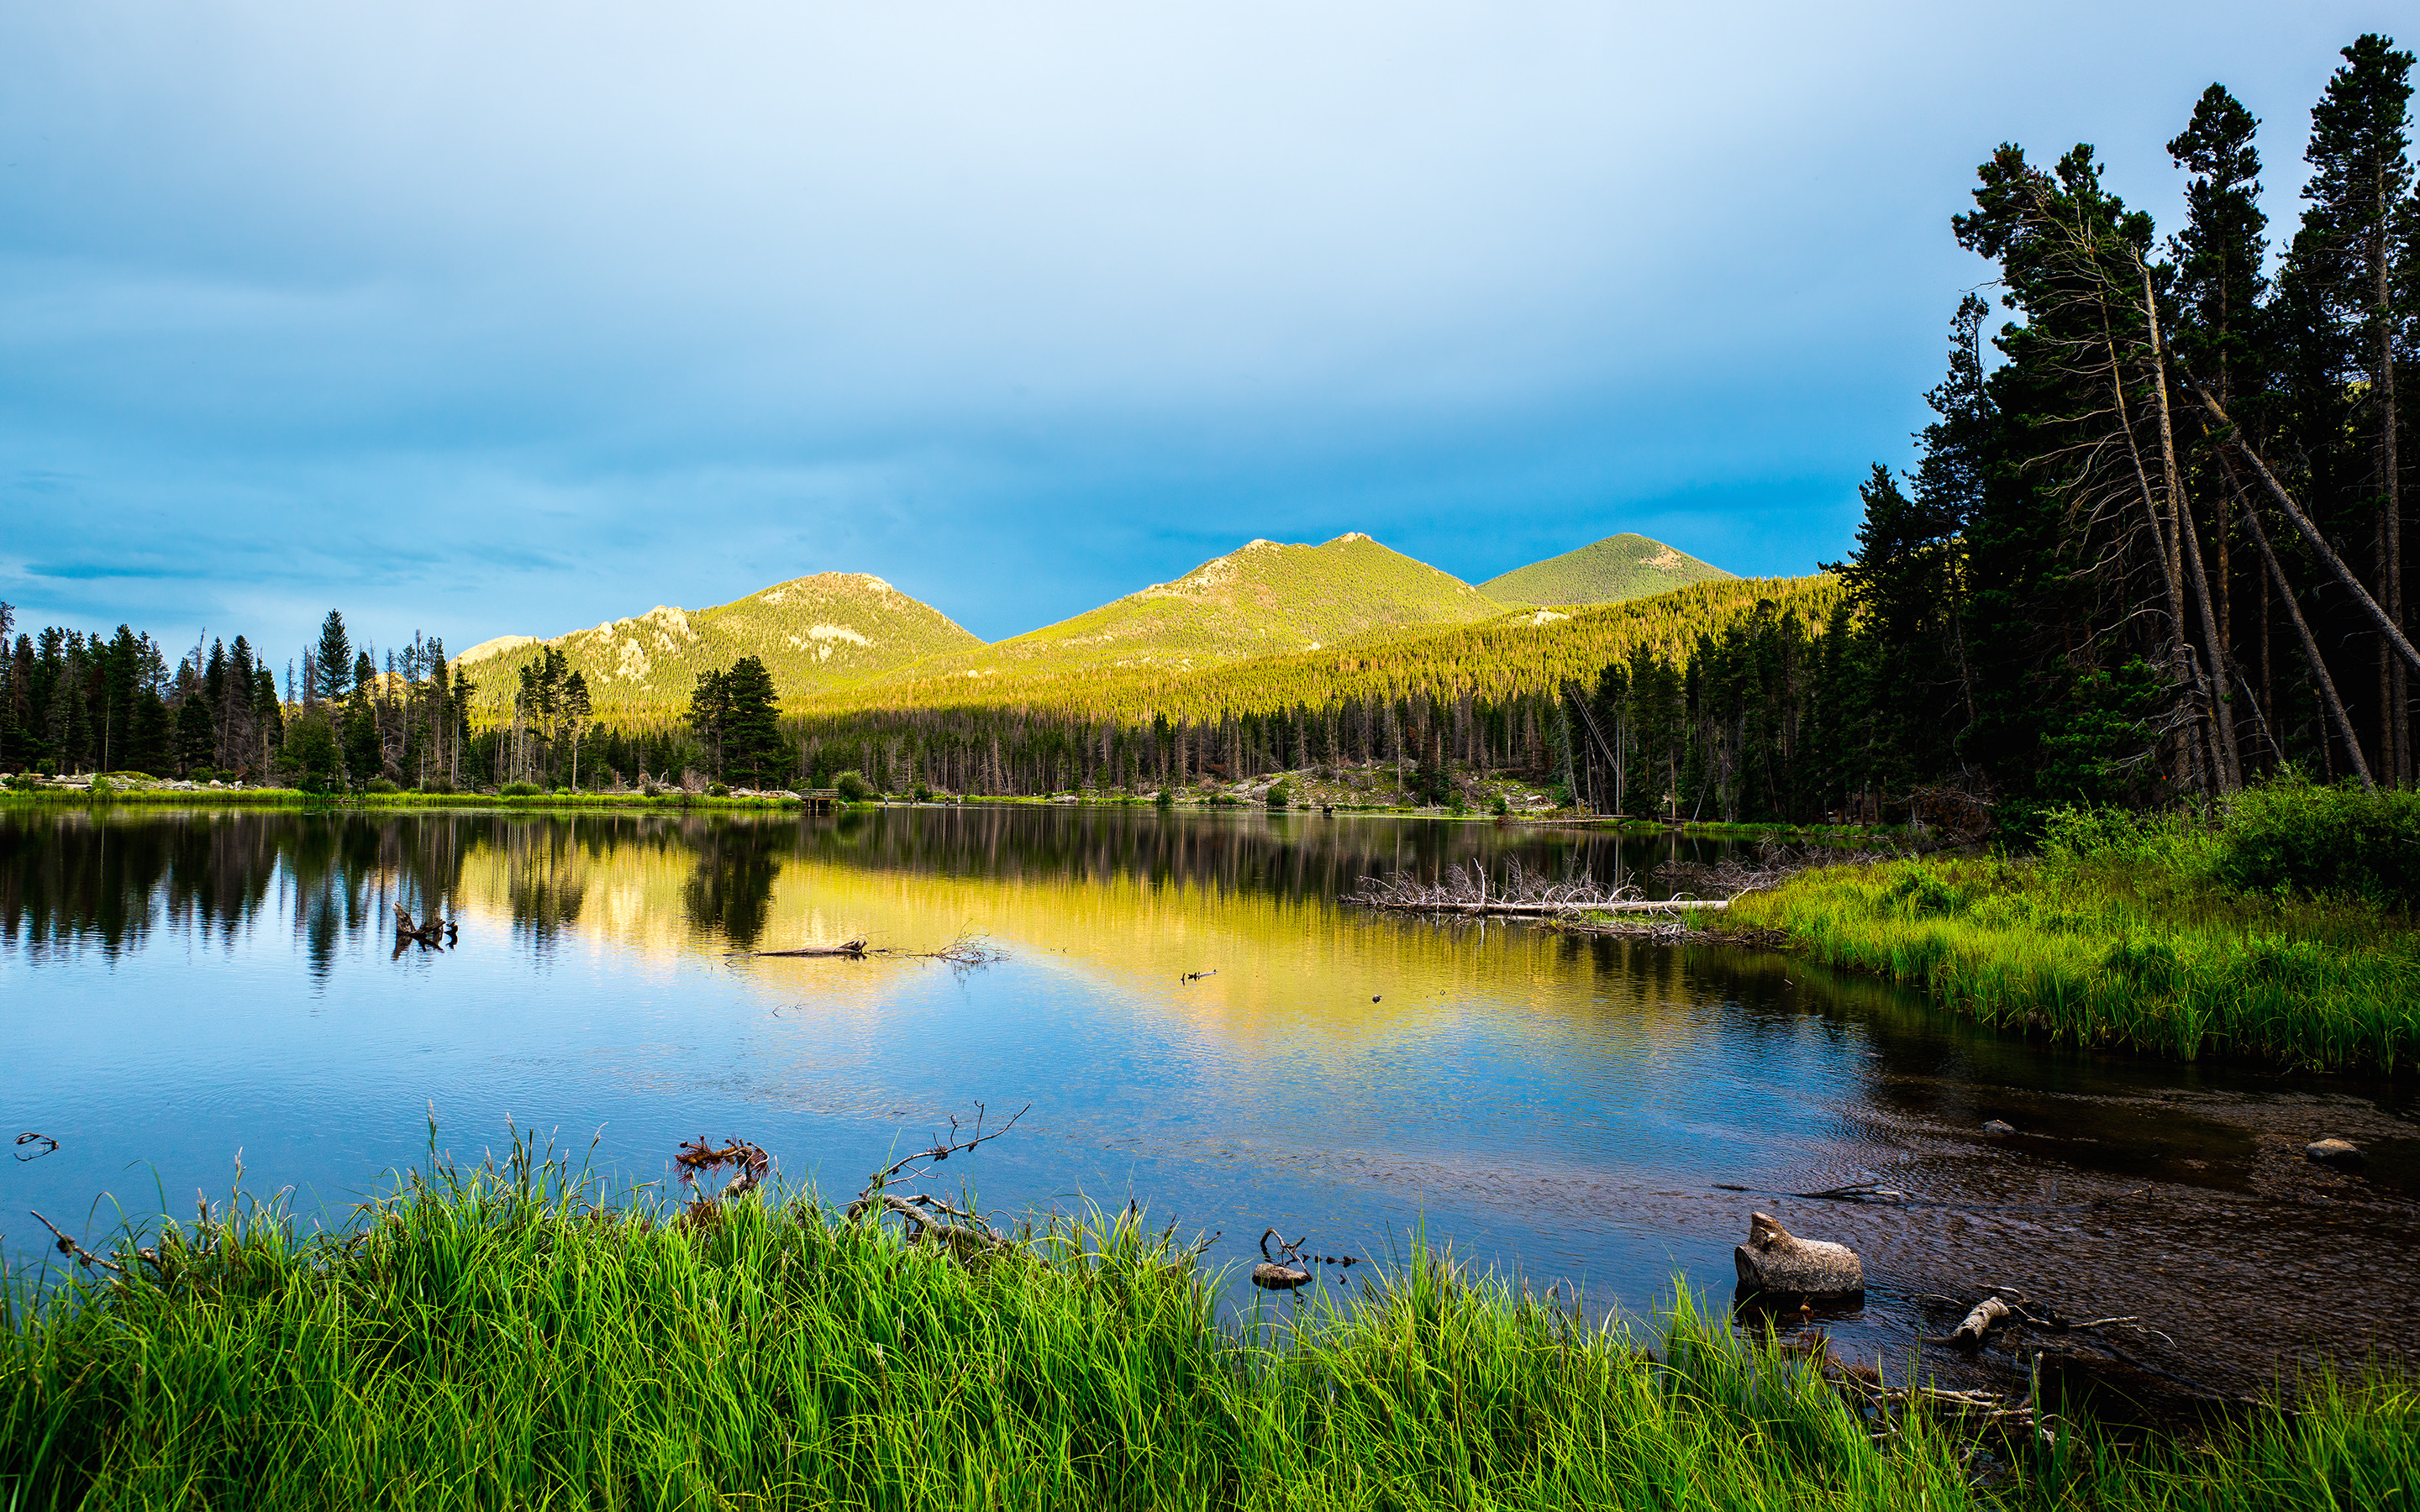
x=497 y=1337
x=2162 y=934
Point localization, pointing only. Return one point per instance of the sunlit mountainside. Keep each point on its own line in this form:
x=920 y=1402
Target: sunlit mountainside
x=1607 y=572
x=1261 y=626
x=1262 y=598
x=1510 y=653
x=815 y=634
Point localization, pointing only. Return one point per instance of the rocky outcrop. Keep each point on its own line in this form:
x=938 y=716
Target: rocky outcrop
x=1775 y=1260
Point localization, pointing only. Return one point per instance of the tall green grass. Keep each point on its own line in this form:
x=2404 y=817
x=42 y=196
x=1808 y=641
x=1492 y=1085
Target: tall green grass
x=2141 y=930
x=500 y=1340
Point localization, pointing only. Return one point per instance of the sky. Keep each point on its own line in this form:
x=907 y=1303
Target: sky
x=474 y=318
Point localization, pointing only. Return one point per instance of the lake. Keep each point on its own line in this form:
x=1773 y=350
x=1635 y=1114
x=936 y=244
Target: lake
x=186 y=987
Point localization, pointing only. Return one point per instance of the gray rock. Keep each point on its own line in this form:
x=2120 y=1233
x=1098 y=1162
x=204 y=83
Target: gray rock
x=1775 y=1260
x=2333 y=1152
x=1998 y=1126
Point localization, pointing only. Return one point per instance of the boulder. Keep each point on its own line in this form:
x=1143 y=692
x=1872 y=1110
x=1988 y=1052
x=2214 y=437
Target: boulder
x=1775 y=1260
x=2333 y=1152
x=1998 y=1126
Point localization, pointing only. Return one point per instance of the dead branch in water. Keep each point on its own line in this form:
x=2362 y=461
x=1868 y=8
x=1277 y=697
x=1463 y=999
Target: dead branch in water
x=922 y=1215
x=969 y=949
x=68 y=1246
x=847 y=950
x=1469 y=890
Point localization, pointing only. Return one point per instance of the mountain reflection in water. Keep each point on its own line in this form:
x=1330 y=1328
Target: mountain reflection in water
x=183 y=985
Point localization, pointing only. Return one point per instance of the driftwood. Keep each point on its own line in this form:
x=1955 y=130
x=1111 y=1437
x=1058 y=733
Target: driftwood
x=425 y=934
x=1628 y=905
x=1471 y=891
x=1988 y=1314
x=965 y=951
x=922 y=1215
x=968 y=1236
x=1275 y=1275
x=1775 y=1260
x=849 y=949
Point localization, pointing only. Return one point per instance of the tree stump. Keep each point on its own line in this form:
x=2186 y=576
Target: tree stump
x=1775 y=1260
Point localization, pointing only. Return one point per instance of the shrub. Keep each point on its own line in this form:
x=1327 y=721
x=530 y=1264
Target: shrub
x=2292 y=835
x=922 y=794
x=717 y=790
x=517 y=790
x=1165 y=800
x=1280 y=795
x=437 y=784
x=852 y=787
x=1502 y=806
x=380 y=784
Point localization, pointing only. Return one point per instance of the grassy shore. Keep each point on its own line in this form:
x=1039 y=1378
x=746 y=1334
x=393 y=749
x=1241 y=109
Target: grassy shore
x=497 y=1340
x=2282 y=931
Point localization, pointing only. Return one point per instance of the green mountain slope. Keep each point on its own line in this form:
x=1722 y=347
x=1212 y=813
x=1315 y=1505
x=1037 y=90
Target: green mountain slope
x=1617 y=568
x=1529 y=651
x=815 y=635
x=1261 y=599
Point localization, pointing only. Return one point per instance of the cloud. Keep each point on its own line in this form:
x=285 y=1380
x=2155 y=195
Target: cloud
x=489 y=319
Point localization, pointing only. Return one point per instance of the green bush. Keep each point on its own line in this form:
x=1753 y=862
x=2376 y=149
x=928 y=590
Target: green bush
x=517 y=790
x=1165 y=800
x=380 y=784
x=924 y=793
x=852 y=787
x=2294 y=836
x=1280 y=795
x=717 y=790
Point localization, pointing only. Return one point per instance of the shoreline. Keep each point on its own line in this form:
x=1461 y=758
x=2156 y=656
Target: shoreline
x=503 y=1325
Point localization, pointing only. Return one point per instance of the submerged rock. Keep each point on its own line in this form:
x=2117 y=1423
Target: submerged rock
x=1775 y=1260
x=2333 y=1152
x=1998 y=1126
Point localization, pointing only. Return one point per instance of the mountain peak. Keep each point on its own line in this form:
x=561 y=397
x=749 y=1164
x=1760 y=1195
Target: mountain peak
x=1619 y=568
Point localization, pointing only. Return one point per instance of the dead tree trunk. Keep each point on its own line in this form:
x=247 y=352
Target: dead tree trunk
x=2319 y=677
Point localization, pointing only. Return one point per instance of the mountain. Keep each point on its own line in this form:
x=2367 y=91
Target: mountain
x=815 y=635
x=1617 y=568
x=1258 y=600
x=1528 y=652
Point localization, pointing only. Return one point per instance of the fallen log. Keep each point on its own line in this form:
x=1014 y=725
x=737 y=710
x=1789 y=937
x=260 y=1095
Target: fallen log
x=1775 y=1260
x=849 y=949
x=1666 y=906
x=1987 y=1315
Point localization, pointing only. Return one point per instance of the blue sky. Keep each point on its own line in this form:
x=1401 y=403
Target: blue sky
x=482 y=319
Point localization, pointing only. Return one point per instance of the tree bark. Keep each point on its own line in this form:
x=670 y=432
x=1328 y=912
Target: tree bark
x=2214 y=673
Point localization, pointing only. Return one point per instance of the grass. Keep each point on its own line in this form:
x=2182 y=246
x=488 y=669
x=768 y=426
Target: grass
x=2136 y=932
x=498 y=1339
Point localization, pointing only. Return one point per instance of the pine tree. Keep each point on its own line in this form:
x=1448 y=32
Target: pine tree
x=2344 y=264
x=332 y=661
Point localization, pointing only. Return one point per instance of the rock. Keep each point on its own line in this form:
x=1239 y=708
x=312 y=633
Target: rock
x=1775 y=1260
x=1998 y=1126
x=2333 y=1152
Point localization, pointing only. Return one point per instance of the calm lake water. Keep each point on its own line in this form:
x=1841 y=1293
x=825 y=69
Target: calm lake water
x=182 y=987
